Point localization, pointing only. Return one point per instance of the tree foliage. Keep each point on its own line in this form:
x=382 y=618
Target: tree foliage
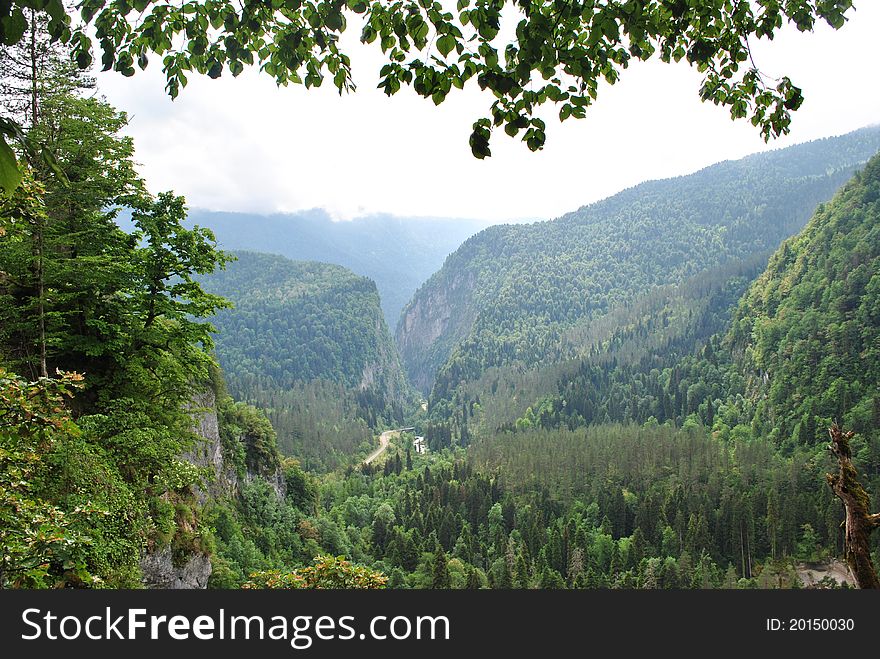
x=807 y=334
x=328 y=572
x=80 y=295
x=38 y=537
x=558 y=52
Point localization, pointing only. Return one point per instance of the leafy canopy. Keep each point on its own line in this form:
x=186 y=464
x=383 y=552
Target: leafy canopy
x=559 y=53
x=328 y=572
x=33 y=531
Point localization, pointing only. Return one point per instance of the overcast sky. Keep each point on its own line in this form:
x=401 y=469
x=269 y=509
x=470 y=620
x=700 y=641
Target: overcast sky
x=245 y=145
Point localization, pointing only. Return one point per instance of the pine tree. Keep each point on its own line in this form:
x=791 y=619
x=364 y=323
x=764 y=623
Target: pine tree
x=441 y=578
x=473 y=579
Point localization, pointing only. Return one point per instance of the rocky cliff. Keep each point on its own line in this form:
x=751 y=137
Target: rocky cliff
x=162 y=567
x=436 y=319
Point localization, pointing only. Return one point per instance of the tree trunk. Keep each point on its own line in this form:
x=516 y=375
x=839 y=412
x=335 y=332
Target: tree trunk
x=34 y=68
x=859 y=522
x=39 y=276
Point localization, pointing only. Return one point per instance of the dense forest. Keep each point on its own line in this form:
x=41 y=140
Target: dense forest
x=798 y=352
x=308 y=343
x=753 y=402
x=614 y=506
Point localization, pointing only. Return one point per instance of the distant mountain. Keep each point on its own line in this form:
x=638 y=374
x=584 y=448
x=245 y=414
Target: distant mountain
x=398 y=253
x=308 y=342
x=518 y=294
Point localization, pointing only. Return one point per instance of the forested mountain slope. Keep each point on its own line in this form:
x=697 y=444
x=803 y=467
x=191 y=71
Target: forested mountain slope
x=296 y=321
x=741 y=481
x=511 y=293
x=397 y=253
x=308 y=342
x=800 y=351
x=806 y=337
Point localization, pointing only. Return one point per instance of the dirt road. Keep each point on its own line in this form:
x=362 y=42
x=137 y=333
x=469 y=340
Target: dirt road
x=384 y=440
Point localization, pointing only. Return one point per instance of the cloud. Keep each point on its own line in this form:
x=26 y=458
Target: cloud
x=244 y=144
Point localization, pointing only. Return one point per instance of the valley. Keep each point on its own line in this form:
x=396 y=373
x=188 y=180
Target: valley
x=384 y=440
x=643 y=440
x=634 y=395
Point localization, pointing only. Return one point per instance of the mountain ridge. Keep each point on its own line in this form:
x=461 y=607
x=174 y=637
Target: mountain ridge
x=509 y=293
x=398 y=253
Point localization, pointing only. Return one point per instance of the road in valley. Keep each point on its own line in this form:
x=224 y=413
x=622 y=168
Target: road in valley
x=384 y=440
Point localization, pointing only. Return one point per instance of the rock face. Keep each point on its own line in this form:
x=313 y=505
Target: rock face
x=208 y=452
x=384 y=371
x=158 y=567
x=818 y=575
x=432 y=324
x=160 y=572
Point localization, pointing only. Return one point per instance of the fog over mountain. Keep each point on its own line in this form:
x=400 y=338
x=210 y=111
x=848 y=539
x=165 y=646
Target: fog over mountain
x=398 y=253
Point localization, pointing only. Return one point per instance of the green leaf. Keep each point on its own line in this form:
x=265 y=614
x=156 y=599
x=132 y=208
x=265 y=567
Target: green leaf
x=368 y=35
x=479 y=140
x=83 y=59
x=445 y=44
x=49 y=160
x=10 y=175
x=335 y=22
x=13 y=27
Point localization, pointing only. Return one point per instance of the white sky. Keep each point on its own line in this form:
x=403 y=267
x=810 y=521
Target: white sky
x=245 y=145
